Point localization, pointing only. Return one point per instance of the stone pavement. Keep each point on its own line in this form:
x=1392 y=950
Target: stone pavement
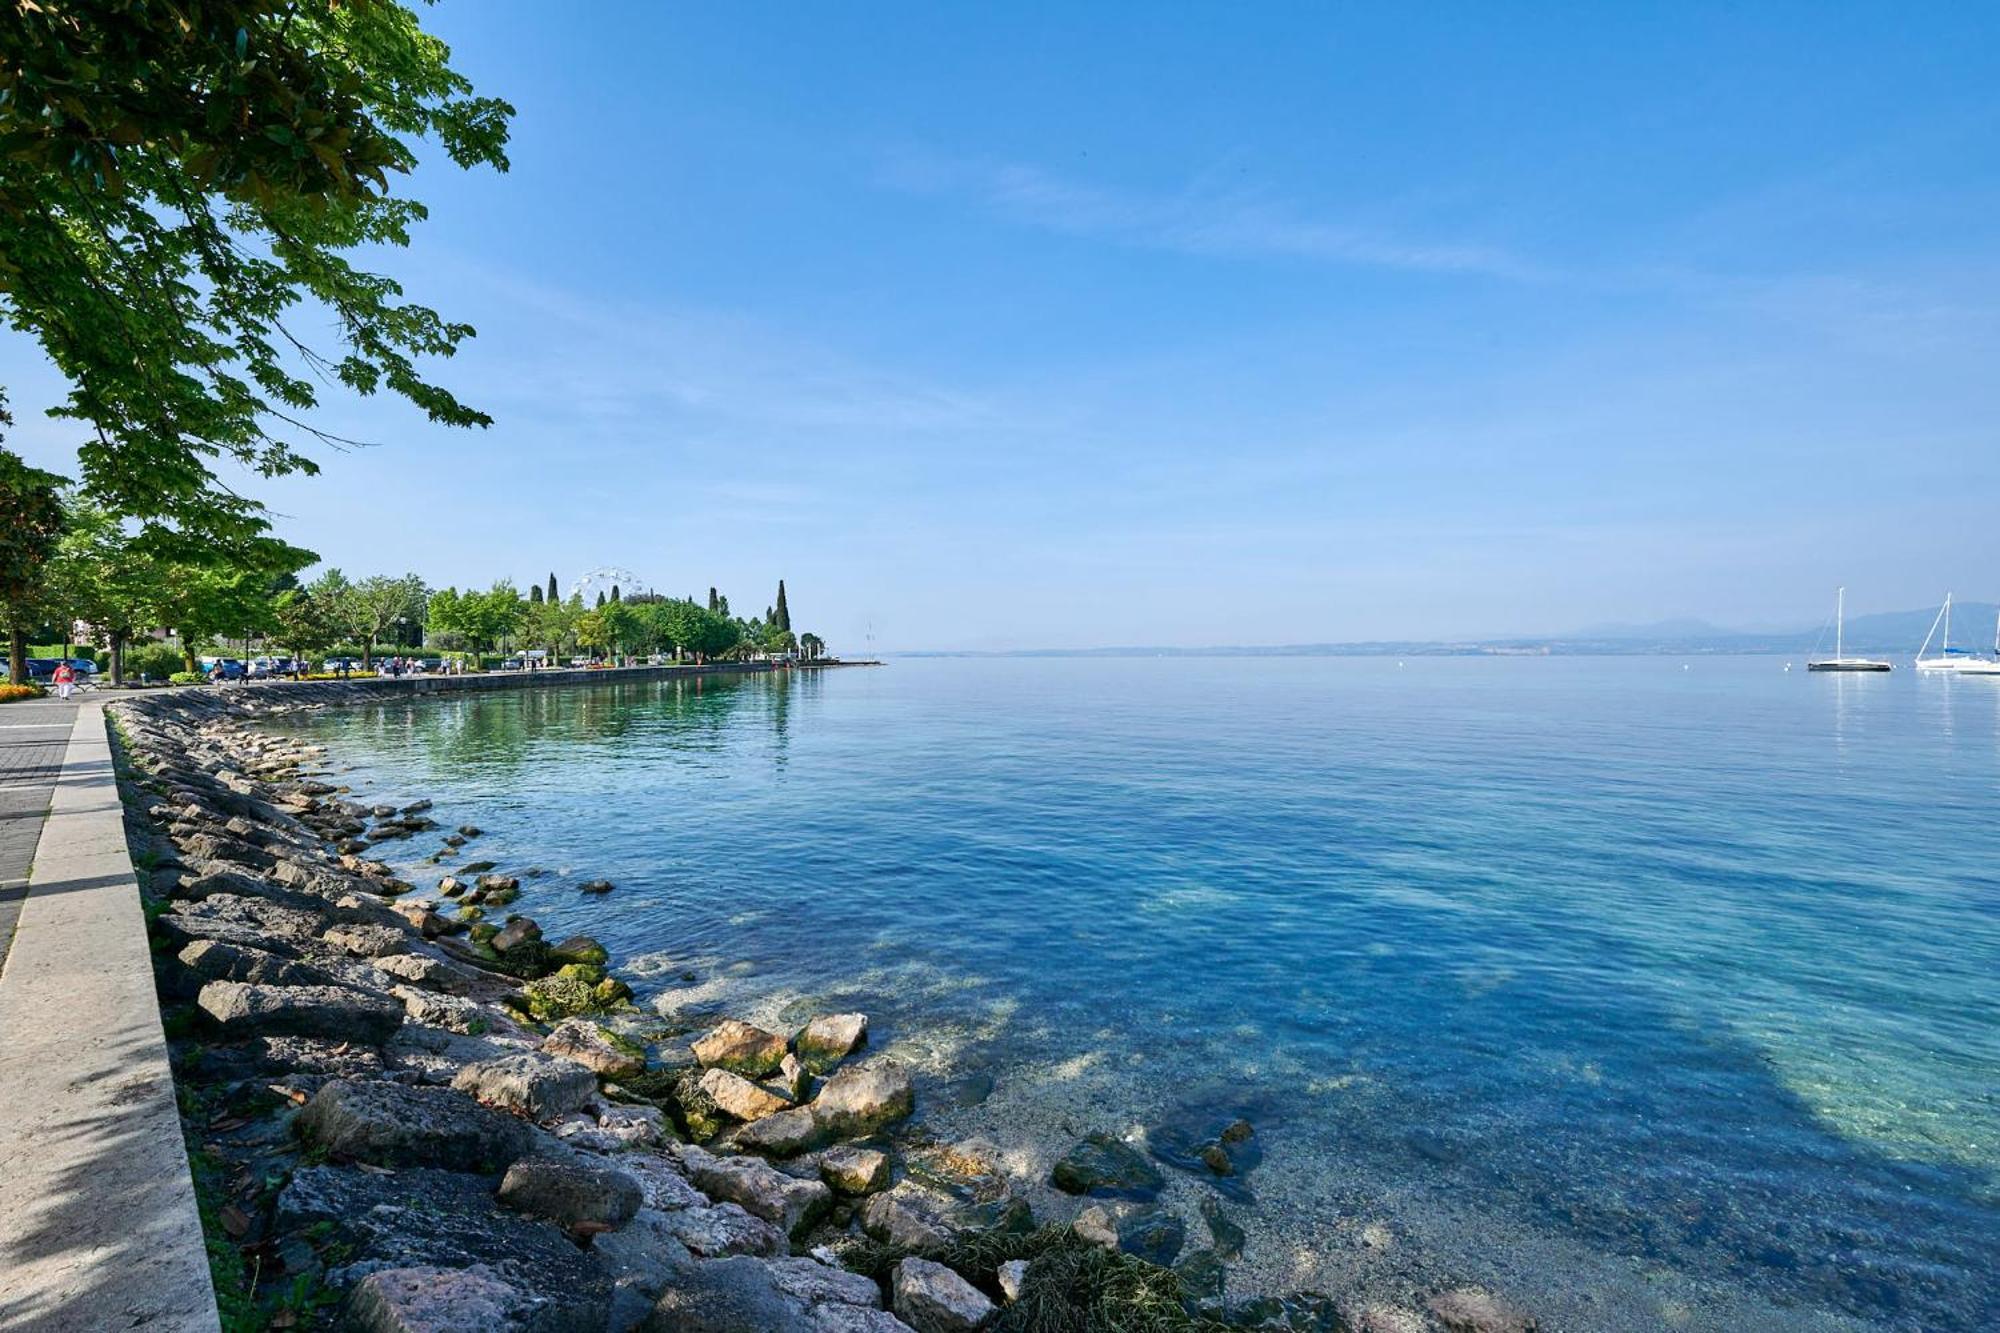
x=33 y=735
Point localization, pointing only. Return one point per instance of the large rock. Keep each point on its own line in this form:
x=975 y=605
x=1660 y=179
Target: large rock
x=930 y=1298
x=739 y=1097
x=743 y=1295
x=916 y=1216
x=855 y=1170
x=388 y=1124
x=570 y=1193
x=741 y=1049
x=780 y=1134
x=212 y=960
x=828 y=1039
x=594 y=1048
x=243 y=1009
x=368 y=941
x=1153 y=1234
x=539 y=1085
x=860 y=1101
x=440 y=1300
x=758 y=1187
x=420 y=1218
x=433 y=973
x=1105 y=1167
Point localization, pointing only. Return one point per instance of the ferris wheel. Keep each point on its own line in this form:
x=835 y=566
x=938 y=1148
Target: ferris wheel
x=604 y=580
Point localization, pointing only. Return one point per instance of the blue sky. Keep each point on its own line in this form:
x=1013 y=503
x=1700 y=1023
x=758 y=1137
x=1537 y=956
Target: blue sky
x=1054 y=325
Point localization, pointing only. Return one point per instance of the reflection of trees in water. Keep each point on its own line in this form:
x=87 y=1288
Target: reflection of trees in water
x=508 y=730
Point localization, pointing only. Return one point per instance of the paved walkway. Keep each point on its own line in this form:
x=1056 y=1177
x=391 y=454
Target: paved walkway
x=98 y=1227
x=33 y=735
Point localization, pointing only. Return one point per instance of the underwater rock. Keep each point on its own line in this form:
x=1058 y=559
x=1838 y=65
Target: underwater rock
x=1105 y=1167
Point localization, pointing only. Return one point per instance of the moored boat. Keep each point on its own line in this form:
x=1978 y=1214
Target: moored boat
x=1840 y=661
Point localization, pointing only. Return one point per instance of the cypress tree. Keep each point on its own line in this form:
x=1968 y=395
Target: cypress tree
x=535 y=594
x=600 y=599
x=782 y=615
x=614 y=592
x=714 y=602
x=554 y=596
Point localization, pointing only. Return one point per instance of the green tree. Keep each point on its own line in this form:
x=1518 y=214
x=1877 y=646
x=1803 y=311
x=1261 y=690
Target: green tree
x=31 y=522
x=552 y=595
x=181 y=178
x=534 y=594
x=781 y=615
x=306 y=625
x=375 y=604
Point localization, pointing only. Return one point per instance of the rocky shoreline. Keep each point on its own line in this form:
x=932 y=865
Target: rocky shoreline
x=407 y=1110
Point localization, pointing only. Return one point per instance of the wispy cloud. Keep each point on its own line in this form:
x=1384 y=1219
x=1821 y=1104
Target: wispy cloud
x=1199 y=219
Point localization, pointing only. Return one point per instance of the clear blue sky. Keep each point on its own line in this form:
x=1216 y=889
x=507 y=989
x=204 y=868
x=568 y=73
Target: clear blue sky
x=1070 y=325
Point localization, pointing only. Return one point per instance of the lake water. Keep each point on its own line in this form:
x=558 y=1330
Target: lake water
x=1658 y=996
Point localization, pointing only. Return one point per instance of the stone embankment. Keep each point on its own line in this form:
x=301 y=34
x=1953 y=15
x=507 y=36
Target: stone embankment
x=409 y=1111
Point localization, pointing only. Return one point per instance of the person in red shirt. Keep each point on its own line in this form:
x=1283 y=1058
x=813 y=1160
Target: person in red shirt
x=65 y=678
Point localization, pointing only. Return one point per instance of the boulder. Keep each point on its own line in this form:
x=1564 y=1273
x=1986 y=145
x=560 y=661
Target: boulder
x=830 y=1038
x=1153 y=1234
x=570 y=1193
x=446 y=1220
x=741 y=1049
x=930 y=1298
x=1013 y=1276
x=595 y=1048
x=917 y=1216
x=1106 y=1167
x=581 y=949
x=855 y=1170
x=758 y=1188
x=389 y=1124
x=538 y=1085
x=434 y=973
x=739 y=1097
x=780 y=1134
x=516 y=932
x=860 y=1101
x=244 y=1009
x=212 y=960
x=735 y=1295
x=445 y=1300
x=368 y=941
x=595 y=886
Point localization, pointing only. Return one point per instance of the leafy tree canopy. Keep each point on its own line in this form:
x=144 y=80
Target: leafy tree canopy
x=176 y=179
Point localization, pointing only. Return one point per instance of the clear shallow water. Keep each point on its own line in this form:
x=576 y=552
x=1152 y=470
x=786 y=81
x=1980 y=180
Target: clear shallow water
x=1661 y=997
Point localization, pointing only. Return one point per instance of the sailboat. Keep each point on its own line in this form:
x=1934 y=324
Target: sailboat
x=1840 y=661
x=1980 y=666
x=1962 y=661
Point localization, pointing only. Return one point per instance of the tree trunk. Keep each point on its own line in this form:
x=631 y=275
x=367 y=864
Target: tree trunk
x=368 y=654
x=17 y=655
x=117 y=657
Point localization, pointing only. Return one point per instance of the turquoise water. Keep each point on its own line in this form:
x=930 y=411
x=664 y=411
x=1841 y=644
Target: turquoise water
x=1662 y=997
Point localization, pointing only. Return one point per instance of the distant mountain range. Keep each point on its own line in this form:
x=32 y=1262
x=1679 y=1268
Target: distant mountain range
x=1892 y=634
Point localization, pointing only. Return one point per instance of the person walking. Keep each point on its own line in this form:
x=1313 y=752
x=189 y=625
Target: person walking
x=65 y=679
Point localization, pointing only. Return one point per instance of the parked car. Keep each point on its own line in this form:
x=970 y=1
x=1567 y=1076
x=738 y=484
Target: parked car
x=512 y=664
x=228 y=668
x=42 y=668
x=430 y=666
x=579 y=661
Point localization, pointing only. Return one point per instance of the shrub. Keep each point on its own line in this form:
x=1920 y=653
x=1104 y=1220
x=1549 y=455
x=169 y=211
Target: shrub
x=158 y=660
x=9 y=693
x=187 y=678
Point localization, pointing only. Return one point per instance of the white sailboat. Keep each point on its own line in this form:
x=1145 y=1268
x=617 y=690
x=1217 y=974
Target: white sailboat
x=1840 y=661
x=1961 y=662
x=1980 y=666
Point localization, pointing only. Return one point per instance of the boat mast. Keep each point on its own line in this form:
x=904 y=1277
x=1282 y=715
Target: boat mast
x=1946 y=648
x=1840 y=622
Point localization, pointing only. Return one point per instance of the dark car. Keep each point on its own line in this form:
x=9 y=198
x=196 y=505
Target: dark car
x=228 y=669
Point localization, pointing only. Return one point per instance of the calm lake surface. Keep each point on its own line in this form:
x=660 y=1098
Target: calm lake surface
x=1657 y=997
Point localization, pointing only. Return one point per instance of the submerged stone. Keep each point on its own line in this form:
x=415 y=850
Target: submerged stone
x=1106 y=1167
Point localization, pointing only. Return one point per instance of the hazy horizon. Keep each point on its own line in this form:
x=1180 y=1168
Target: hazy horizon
x=1261 y=326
